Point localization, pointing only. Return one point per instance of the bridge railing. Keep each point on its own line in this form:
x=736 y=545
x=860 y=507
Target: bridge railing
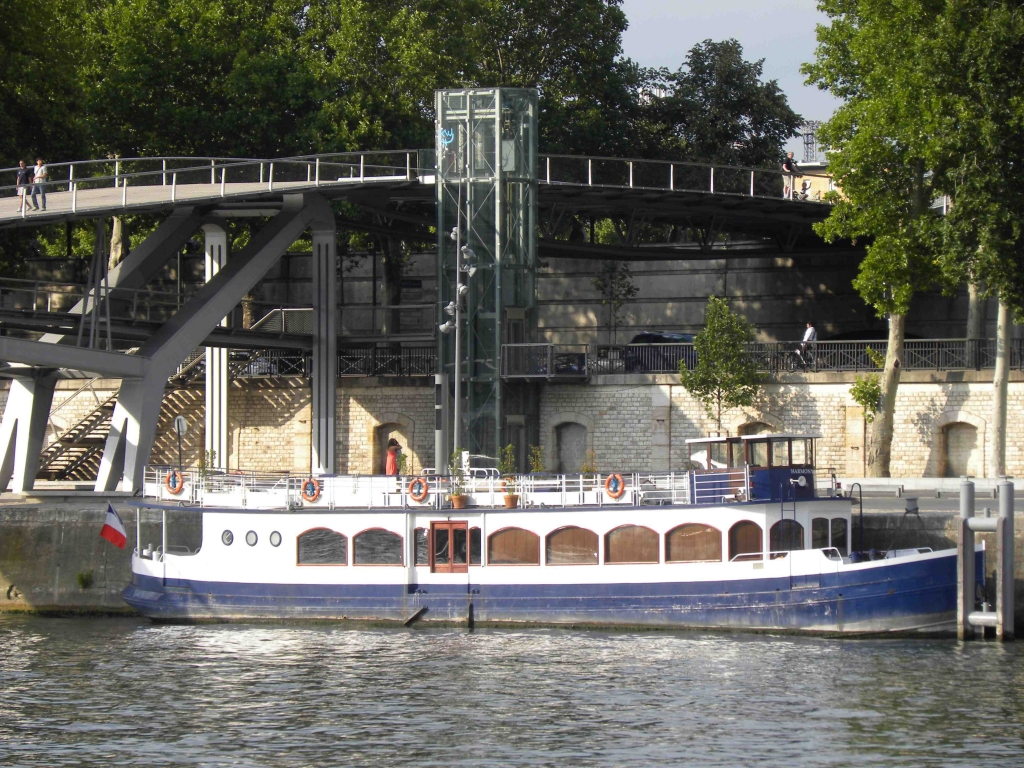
x=150 y=181
x=380 y=361
x=556 y=360
x=669 y=175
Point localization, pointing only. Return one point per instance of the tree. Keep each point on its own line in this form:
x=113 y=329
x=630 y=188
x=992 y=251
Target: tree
x=615 y=284
x=880 y=140
x=978 y=153
x=717 y=109
x=724 y=375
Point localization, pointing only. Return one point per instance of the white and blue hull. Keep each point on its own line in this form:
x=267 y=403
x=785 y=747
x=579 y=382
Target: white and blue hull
x=804 y=591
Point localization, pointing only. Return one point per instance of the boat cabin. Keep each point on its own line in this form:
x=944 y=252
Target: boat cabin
x=766 y=467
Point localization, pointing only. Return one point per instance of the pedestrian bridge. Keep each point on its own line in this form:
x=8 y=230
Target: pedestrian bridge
x=714 y=197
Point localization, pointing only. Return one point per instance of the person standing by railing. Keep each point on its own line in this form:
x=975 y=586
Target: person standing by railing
x=39 y=184
x=24 y=182
x=790 y=170
x=391 y=461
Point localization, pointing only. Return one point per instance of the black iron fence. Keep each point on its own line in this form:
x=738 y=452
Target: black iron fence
x=557 y=360
x=378 y=361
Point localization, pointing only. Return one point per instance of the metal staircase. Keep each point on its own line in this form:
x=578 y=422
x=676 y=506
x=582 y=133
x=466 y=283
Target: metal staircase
x=75 y=454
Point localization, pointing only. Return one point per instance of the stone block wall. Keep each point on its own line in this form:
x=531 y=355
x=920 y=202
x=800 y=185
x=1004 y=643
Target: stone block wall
x=369 y=410
x=268 y=424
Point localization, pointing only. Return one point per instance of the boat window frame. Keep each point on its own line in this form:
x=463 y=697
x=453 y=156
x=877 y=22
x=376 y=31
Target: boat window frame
x=401 y=549
x=451 y=566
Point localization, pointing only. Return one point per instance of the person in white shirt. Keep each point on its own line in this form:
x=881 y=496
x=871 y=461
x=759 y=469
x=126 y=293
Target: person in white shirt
x=39 y=184
x=807 y=344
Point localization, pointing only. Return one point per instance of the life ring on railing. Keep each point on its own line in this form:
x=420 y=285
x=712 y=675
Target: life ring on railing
x=615 y=486
x=419 y=489
x=310 y=489
x=175 y=482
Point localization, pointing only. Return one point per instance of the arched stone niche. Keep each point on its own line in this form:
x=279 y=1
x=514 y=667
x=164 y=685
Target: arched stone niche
x=959 y=444
x=398 y=426
x=571 y=437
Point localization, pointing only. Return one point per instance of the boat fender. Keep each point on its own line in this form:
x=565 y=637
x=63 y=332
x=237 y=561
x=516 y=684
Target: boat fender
x=175 y=482
x=419 y=489
x=310 y=490
x=615 y=486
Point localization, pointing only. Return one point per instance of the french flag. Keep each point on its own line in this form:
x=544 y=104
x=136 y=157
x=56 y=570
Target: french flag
x=113 y=529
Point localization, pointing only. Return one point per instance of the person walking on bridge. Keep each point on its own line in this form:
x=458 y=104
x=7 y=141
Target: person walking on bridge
x=39 y=184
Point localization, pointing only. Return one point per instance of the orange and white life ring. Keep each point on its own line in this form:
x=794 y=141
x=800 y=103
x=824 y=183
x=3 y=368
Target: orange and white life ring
x=419 y=489
x=175 y=482
x=615 y=486
x=310 y=489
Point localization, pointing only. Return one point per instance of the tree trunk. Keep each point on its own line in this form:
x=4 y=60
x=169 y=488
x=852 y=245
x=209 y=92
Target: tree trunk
x=976 y=304
x=118 y=243
x=879 y=446
x=1000 y=381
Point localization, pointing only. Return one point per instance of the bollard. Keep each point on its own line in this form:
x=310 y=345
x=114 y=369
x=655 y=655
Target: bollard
x=1004 y=559
x=965 y=563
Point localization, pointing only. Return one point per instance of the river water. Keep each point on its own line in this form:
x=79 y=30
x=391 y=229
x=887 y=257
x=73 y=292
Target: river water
x=105 y=692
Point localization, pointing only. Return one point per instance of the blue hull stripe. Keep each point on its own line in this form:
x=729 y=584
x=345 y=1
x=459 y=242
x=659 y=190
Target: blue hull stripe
x=890 y=597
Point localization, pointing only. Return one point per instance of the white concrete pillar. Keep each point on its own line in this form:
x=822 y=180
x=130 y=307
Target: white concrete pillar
x=217 y=377
x=325 y=350
x=23 y=430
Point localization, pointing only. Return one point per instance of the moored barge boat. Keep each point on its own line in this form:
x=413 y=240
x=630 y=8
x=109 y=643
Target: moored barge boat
x=743 y=539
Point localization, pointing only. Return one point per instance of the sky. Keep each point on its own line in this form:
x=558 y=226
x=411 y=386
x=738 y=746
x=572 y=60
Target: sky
x=779 y=31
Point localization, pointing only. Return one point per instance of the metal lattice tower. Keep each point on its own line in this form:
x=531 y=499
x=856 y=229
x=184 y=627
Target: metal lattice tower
x=487 y=188
x=810 y=131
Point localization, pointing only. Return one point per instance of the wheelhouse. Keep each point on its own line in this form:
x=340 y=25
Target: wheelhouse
x=768 y=467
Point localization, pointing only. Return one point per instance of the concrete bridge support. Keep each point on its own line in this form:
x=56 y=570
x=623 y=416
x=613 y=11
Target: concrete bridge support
x=133 y=427
x=217 y=376
x=23 y=430
x=28 y=408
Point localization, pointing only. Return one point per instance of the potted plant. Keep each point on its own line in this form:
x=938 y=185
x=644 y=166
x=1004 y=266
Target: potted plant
x=457 y=475
x=507 y=470
x=588 y=471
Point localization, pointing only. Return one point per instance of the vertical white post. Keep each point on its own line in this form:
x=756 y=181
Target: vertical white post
x=590 y=172
x=630 y=174
x=117 y=172
x=213 y=172
x=217 y=376
x=71 y=176
x=174 y=186
x=124 y=193
x=270 y=184
x=1004 y=542
x=408 y=166
x=712 y=178
x=965 y=563
x=223 y=175
x=163 y=173
x=318 y=172
x=138 y=531
x=362 y=167
x=74 y=198
x=751 y=183
x=549 y=169
x=672 y=177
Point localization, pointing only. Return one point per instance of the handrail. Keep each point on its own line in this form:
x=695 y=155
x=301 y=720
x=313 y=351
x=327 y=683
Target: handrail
x=688 y=163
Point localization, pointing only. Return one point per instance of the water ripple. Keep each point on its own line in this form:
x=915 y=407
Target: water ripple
x=78 y=692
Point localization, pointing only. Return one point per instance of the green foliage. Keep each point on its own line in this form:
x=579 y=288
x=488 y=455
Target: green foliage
x=403 y=464
x=879 y=140
x=536 y=458
x=457 y=474
x=724 y=375
x=718 y=109
x=867 y=393
x=589 y=465
x=507 y=467
x=84 y=579
x=615 y=284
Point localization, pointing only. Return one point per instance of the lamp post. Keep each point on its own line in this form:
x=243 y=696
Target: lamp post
x=465 y=259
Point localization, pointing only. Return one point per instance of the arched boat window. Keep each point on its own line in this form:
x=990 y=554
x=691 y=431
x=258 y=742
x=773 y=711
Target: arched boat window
x=513 y=546
x=839 y=532
x=785 y=536
x=420 y=541
x=780 y=453
x=322 y=546
x=745 y=540
x=631 y=544
x=693 y=543
x=820 y=538
x=571 y=546
x=377 y=547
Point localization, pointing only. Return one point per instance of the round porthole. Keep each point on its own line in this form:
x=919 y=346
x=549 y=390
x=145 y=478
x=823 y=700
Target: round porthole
x=251 y=538
x=228 y=538
x=275 y=539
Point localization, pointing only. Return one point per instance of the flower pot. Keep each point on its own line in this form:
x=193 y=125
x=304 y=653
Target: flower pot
x=511 y=500
x=458 y=502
